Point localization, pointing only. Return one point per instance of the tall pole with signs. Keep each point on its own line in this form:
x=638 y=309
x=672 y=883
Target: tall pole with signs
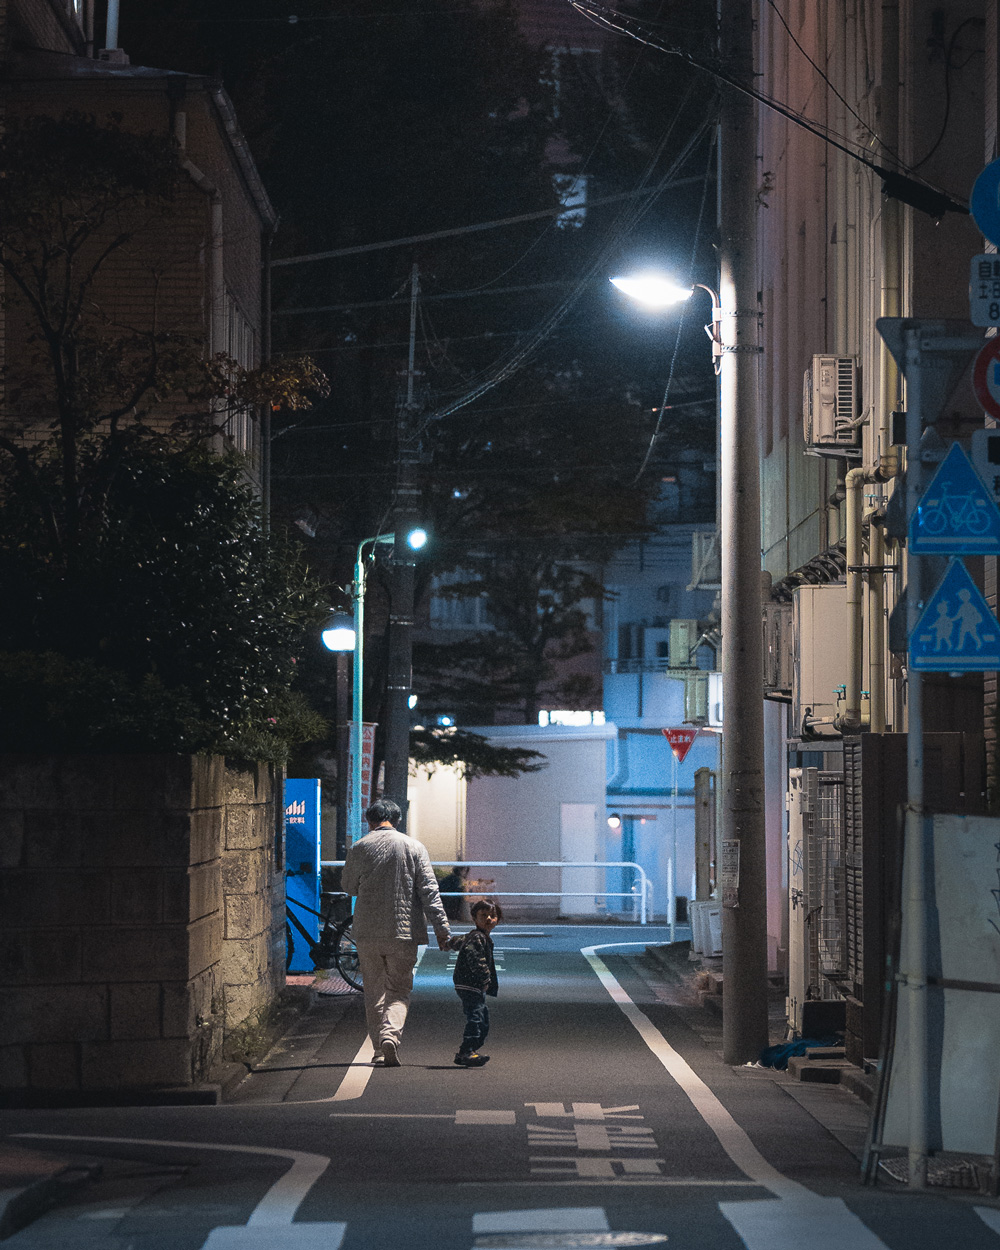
x=949 y=516
x=681 y=740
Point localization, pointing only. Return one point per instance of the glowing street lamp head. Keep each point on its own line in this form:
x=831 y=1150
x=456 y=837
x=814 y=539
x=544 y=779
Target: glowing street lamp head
x=338 y=633
x=416 y=539
x=653 y=289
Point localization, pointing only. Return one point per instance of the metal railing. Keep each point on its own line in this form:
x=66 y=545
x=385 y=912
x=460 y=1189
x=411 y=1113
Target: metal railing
x=644 y=895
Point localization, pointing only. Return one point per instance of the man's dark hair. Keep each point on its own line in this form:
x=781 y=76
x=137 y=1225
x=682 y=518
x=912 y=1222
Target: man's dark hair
x=489 y=905
x=382 y=810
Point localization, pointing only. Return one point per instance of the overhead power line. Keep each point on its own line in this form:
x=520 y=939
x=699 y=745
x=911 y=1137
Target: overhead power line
x=899 y=186
x=481 y=225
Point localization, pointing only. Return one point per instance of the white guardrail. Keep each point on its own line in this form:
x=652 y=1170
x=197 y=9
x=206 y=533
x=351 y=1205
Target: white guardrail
x=644 y=893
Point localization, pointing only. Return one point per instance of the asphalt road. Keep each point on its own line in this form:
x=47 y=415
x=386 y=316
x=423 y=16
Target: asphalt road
x=605 y=1117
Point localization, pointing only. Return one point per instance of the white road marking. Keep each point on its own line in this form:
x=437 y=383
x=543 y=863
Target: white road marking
x=320 y=1236
x=543 y=1220
x=358 y=1075
x=731 y=1137
x=485 y=1117
x=790 y=1224
x=583 y=1111
x=279 y=1204
x=798 y=1217
x=593 y=1136
x=594 y=1166
x=990 y=1217
x=676 y=1182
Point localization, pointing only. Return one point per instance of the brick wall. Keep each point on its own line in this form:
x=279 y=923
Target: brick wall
x=141 y=916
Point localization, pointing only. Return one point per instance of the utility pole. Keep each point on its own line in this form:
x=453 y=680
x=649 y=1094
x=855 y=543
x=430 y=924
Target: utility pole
x=742 y=859
x=405 y=515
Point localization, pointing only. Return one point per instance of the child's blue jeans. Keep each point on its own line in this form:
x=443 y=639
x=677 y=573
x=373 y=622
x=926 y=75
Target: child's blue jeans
x=477 y=1020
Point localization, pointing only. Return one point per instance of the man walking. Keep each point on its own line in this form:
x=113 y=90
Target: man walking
x=397 y=895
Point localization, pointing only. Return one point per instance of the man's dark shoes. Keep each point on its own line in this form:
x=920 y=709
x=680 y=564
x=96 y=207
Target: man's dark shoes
x=471 y=1060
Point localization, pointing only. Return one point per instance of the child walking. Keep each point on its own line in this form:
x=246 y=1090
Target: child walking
x=475 y=978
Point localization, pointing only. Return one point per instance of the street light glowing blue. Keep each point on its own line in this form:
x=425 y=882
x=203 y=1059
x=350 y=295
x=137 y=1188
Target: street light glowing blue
x=417 y=539
x=411 y=702
x=653 y=290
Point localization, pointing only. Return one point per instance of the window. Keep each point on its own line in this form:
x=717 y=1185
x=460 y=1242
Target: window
x=457 y=611
x=572 y=192
x=241 y=345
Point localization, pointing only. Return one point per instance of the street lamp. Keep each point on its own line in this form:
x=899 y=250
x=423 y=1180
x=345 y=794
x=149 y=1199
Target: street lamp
x=736 y=352
x=338 y=636
x=656 y=290
x=415 y=539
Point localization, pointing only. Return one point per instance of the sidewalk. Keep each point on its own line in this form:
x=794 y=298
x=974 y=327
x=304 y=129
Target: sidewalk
x=694 y=989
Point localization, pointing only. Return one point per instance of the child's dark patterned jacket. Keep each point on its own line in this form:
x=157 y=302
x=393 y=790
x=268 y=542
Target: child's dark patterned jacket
x=475 y=969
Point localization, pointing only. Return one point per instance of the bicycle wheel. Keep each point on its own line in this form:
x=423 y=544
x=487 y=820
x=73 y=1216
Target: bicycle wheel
x=347 y=960
x=933 y=520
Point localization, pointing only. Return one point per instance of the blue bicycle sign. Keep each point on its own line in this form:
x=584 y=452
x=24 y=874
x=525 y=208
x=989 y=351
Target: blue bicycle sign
x=956 y=513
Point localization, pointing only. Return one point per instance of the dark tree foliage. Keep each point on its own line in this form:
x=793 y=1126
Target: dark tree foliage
x=471 y=754
x=176 y=628
x=538 y=621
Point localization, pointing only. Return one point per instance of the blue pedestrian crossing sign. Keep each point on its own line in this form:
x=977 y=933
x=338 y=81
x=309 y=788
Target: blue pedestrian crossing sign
x=957 y=632
x=956 y=514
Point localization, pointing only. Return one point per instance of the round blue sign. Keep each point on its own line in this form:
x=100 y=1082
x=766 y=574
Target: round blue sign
x=984 y=203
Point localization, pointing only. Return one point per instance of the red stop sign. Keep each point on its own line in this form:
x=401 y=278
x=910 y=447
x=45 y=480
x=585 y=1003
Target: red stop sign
x=680 y=741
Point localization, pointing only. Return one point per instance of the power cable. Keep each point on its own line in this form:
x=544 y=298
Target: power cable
x=918 y=194
x=874 y=134
x=361 y=248
x=506 y=367
x=680 y=320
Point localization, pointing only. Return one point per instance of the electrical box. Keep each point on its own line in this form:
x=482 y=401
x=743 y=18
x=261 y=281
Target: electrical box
x=831 y=407
x=822 y=659
x=684 y=635
x=815 y=890
x=779 y=648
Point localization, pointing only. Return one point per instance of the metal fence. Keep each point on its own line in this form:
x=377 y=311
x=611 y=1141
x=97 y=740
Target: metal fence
x=641 y=893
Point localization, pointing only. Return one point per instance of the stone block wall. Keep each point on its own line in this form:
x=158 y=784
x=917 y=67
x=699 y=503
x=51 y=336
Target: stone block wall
x=141 y=916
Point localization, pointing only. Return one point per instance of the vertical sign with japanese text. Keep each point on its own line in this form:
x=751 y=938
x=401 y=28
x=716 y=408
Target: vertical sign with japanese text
x=357 y=805
x=729 y=874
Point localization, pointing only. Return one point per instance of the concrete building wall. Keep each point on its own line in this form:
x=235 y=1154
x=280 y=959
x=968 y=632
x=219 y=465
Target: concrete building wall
x=436 y=813
x=522 y=818
x=141 y=917
x=162 y=277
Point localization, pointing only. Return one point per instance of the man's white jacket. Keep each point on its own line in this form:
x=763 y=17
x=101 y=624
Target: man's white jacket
x=396 y=889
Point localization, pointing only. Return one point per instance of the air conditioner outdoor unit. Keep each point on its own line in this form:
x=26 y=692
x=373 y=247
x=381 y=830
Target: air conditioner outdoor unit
x=684 y=635
x=831 y=406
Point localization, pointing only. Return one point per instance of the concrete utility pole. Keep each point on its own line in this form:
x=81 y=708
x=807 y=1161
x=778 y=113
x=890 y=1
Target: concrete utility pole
x=405 y=515
x=744 y=890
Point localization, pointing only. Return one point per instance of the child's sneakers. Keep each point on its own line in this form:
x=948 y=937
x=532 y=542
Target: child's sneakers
x=471 y=1060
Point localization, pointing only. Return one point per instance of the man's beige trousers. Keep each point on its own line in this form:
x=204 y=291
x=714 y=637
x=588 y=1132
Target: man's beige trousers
x=387 y=973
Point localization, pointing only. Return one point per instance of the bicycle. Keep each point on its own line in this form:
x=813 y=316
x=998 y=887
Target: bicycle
x=335 y=948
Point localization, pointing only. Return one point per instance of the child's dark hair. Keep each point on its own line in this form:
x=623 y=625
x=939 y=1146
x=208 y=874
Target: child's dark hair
x=489 y=905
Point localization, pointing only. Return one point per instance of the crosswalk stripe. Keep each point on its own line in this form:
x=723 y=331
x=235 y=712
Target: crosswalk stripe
x=542 y=1220
x=319 y=1236
x=990 y=1217
x=791 y=1223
